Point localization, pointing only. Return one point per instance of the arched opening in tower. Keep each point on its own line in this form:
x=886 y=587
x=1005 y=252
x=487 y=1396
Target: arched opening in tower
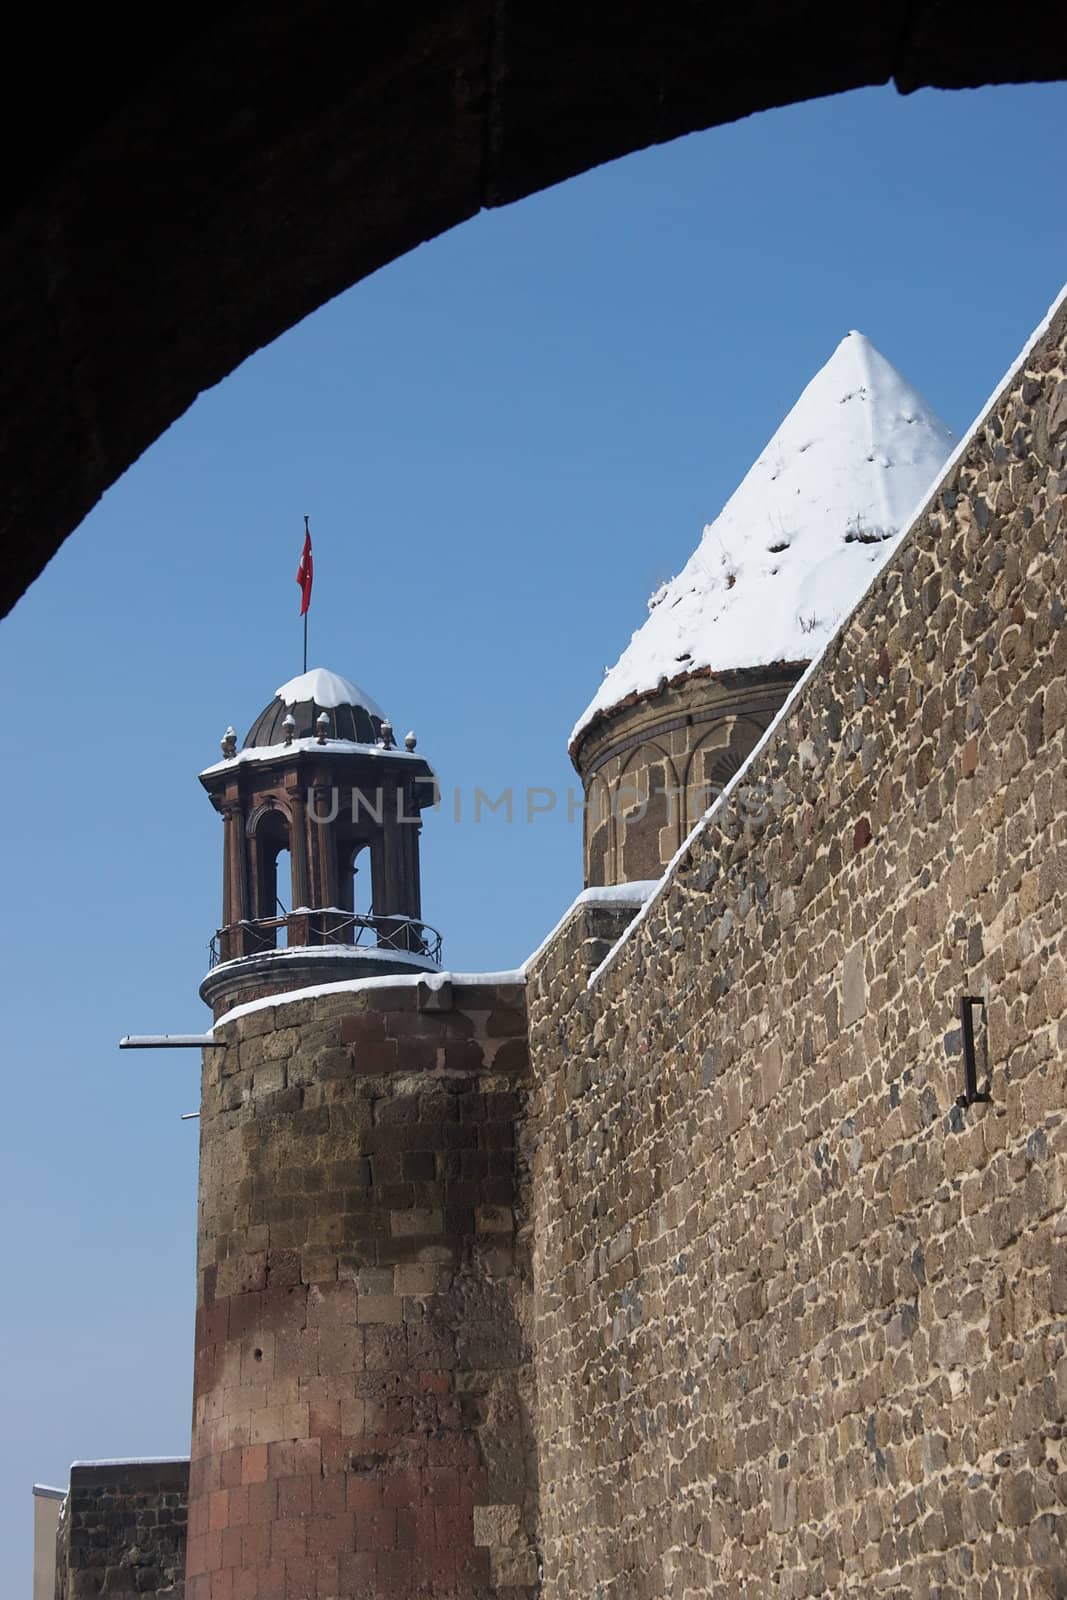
x=271 y=874
x=354 y=891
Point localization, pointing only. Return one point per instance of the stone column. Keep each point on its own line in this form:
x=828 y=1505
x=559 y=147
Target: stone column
x=299 y=926
x=322 y=844
x=391 y=852
x=402 y=849
x=413 y=875
x=299 y=848
x=234 y=879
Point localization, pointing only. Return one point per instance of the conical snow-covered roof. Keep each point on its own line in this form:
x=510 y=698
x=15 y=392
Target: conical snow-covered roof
x=796 y=544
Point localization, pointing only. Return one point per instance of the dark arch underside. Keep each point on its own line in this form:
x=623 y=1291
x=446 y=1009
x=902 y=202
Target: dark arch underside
x=180 y=193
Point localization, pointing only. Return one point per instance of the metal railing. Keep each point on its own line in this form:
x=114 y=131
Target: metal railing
x=315 y=928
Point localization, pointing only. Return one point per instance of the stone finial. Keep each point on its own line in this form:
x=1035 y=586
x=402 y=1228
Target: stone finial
x=322 y=723
x=409 y=741
x=289 y=724
x=229 y=743
x=387 y=740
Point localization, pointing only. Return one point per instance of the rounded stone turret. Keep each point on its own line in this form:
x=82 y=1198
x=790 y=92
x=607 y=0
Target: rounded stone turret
x=772 y=578
x=360 y=1418
x=651 y=767
x=360 y=1398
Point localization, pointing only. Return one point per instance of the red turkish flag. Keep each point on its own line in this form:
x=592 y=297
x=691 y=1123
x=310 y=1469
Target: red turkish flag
x=305 y=572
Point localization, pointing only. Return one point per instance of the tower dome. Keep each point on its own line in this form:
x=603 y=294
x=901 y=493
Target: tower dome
x=351 y=713
x=769 y=583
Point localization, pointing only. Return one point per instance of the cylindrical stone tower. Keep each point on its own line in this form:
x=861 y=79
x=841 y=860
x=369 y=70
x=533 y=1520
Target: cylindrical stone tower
x=360 y=1396
x=651 y=766
x=773 y=576
x=360 y=1423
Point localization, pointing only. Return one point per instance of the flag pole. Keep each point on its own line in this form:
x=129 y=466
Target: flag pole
x=307 y=534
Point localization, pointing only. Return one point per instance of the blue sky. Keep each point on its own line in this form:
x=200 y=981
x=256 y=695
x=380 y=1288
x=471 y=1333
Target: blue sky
x=505 y=441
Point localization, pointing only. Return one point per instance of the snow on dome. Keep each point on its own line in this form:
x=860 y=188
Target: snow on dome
x=328 y=690
x=796 y=544
x=297 y=709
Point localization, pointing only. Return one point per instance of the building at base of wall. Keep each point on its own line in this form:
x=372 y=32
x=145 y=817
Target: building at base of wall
x=122 y=1530
x=46 y=1506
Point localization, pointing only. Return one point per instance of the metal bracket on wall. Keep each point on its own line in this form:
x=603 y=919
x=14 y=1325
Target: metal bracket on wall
x=170 y=1041
x=971 y=1094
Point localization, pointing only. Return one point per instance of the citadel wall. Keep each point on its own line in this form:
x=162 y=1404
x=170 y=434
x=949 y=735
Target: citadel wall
x=122 y=1531
x=362 y=1411
x=801 y=1320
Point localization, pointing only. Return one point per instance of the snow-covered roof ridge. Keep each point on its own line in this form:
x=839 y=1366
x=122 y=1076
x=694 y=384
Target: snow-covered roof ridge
x=792 y=549
x=328 y=690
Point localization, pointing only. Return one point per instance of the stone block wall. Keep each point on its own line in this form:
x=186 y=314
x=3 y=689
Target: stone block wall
x=593 y=925
x=122 y=1531
x=362 y=1398
x=801 y=1318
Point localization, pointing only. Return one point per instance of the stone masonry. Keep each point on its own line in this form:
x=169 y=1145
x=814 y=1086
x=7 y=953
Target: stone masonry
x=651 y=767
x=685 y=1268
x=122 y=1531
x=363 y=1411
x=801 y=1319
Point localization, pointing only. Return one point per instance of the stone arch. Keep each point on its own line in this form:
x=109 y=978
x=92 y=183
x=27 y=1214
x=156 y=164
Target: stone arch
x=257 y=818
x=705 y=758
x=599 y=831
x=177 y=210
x=269 y=834
x=715 y=758
x=646 y=812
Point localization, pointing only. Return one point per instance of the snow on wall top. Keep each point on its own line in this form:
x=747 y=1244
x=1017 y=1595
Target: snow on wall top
x=794 y=546
x=328 y=690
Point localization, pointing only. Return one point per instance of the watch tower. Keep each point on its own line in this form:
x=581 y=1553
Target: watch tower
x=322 y=815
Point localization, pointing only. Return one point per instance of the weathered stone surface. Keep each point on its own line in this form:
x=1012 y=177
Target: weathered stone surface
x=122 y=1531
x=362 y=1409
x=651 y=767
x=801 y=1319
x=709 y=1286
